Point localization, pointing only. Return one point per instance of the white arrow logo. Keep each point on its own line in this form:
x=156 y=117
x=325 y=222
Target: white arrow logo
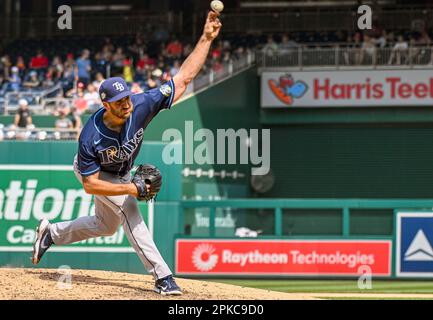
x=420 y=249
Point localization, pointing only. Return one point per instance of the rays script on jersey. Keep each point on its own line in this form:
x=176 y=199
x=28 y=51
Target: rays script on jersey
x=114 y=154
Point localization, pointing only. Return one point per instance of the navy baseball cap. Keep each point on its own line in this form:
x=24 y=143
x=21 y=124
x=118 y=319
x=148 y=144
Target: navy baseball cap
x=113 y=89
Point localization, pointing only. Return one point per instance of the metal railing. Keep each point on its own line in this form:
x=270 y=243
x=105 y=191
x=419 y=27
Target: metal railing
x=337 y=57
x=34 y=98
x=278 y=205
x=227 y=70
x=31 y=133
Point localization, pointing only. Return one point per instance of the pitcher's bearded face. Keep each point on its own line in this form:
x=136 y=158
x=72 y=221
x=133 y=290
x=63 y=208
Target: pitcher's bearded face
x=122 y=108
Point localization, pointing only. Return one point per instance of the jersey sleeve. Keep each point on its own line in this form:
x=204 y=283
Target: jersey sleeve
x=88 y=162
x=151 y=102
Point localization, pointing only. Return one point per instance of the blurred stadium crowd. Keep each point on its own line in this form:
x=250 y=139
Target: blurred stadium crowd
x=70 y=69
x=80 y=65
x=405 y=47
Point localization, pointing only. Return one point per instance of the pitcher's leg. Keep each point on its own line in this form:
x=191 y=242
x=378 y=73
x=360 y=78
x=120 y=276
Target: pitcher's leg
x=140 y=238
x=104 y=223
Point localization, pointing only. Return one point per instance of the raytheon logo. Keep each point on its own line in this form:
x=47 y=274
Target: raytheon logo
x=204 y=258
x=419 y=249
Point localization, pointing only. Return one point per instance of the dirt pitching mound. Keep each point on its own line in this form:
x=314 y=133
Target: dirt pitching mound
x=42 y=284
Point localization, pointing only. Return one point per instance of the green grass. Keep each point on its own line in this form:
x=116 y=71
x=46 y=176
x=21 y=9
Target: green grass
x=335 y=286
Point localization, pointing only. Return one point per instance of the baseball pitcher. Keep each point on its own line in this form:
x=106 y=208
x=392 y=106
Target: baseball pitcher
x=109 y=143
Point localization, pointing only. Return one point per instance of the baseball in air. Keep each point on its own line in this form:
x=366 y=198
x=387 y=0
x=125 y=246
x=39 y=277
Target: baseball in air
x=217 y=6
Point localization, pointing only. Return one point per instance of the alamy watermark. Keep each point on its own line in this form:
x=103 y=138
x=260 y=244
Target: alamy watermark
x=64 y=282
x=65 y=20
x=219 y=148
x=365 y=20
x=365 y=279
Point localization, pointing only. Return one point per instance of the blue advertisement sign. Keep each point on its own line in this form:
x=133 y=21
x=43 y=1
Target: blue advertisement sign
x=414 y=244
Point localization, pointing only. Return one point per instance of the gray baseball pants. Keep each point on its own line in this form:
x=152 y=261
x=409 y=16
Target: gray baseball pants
x=110 y=212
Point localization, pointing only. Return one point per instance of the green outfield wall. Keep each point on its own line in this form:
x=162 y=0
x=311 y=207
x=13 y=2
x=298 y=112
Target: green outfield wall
x=371 y=153
x=37 y=181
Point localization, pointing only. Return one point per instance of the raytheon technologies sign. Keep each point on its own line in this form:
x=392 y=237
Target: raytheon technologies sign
x=279 y=257
x=347 y=88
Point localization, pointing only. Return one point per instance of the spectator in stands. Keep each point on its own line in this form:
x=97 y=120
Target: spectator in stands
x=160 y=63
x=138 y=47
x=2 y=67
x=63 y=122
x=99 y=78
x=75 y=119
x=239 y=52
x=83 y=68
x=151 y=82
x=174 y=49
x=381 y=41
x=92 y=98
x=68 y=78
x=166 y=75
x=156 y=76
x=227 y=57
x=287 y=44
x=287 y=48
x=58 y=68
x=73 y=92
x=128 y=72
x=399 y=51
x=6 y=64
x=100 y=63
x=21 y=65
x=149 y=71
x=175 y=69
x=135 y=88
x=390 y=39
x=368 y=49
x=424 y=39
x=49 y=80
x=217 y=66
x=108 y=45
x=226 y=45
x=145 y=62
x=187 y=49
x=352 y=52
x=271 y=47
x=33 y=82
x=79 y=103
x=15 y=80
x=107 y=54
x=64 y=125
x=23 y=117
x=70 y=61
x=143 y=65
x=39 y=63
x=217 y=52
x=117 y=62
x=420 y=48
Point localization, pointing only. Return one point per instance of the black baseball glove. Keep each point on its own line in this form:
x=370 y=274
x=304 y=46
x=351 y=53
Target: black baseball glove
x=150 y=175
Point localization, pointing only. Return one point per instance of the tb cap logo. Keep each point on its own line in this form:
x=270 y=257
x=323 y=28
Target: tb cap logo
x=118 y=86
